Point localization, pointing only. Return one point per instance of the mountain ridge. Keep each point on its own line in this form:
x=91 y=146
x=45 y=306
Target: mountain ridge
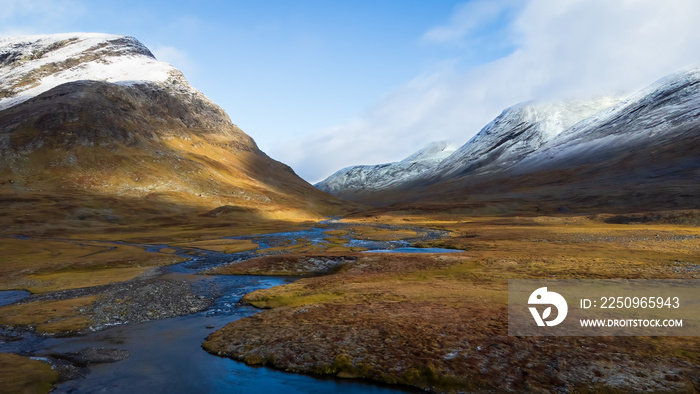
x=31 y=65
x=353 y=179
x=90 y=128
x=518 y=131
x=612 y=156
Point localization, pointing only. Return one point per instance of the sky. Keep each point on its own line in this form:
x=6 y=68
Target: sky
x=321 y=85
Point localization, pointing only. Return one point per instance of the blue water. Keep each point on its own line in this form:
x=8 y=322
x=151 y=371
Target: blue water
x=11 y=296
x=314 y=235
x=166 y=355
x=414 y=250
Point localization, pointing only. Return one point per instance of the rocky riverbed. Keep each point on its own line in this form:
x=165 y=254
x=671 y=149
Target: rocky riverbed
x=166 y=298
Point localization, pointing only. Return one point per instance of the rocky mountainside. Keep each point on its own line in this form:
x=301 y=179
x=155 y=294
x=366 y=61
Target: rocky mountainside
x=91 y=124
x=641 y=152
x=516 y=133
x=666 y=112
x=31 y=65
x=357 y=179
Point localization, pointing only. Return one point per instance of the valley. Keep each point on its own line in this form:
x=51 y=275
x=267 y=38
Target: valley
x=142 y=309
x=148 y=244
x=433 y=321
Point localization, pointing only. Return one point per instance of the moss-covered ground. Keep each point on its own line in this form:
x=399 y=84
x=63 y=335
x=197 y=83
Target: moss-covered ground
x=439 y=321
x=23 y=375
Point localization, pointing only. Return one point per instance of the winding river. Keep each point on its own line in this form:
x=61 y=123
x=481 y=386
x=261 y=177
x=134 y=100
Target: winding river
x=166 y=355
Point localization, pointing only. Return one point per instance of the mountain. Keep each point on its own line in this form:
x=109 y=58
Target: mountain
x=353 y=181
x=94 y=129
x=516 y=133
x=666 y=112
x=610 y=154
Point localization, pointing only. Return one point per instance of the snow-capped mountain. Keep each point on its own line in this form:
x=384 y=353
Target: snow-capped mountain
x=516 y=133
x=640 y=152
x=658 y=114
x=356 y=179
x=97 y=116
x=31 y=65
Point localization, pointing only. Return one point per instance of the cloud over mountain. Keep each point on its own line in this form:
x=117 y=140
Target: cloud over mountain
x=560 y=50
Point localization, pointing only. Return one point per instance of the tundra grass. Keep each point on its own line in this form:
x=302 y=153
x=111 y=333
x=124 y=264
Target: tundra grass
x=23 y=375
x=72 y=278
x=439 y=322
x=371 y=233
x=49 y=317
x=221 y=245
x=48 y=265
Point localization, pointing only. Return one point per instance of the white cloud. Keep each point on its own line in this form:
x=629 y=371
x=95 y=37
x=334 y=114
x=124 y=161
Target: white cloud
x=563 y=49
x=468 y=19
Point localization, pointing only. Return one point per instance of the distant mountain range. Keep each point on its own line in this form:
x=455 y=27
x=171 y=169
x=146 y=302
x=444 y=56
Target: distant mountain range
x=637 y=152
x=94 y=129
x=359 y=179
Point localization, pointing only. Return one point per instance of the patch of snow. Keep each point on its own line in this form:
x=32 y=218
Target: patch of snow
x=31 y=65
x=381 y=176
x=650 y=113
x=434 y=151
x=451 y=355
x=517 y=132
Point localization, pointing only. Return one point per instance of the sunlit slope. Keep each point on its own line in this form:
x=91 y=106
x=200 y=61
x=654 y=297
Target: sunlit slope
x=90 y=151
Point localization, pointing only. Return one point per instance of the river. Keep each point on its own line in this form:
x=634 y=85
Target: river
x=166 y=355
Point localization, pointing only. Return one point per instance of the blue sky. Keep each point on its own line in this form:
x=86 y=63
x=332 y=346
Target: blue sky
x=325 y=84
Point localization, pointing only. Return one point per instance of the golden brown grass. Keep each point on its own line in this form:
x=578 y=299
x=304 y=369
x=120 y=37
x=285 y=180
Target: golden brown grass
x=500 y=249
x=336 y=233
x=72 y=278
x=21 y=375
x=221 y=245
x=176 y=188
x=380 y=234
x=158 y=218
x=397 y=317
x=49 y=317
x=48 y=265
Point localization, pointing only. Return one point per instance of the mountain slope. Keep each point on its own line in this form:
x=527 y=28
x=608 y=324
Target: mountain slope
x=658 y=114
x=31 y=65
x=642 y=153
x=95 y=128
x=351 y=181
x=516 y=133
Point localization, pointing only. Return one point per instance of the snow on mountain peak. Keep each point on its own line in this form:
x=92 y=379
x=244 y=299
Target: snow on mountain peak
x=434 y=151
x=31 y=65
x=658 y=109
x=380 y=176
x=520 y=130
x=515 y=133
x=648 y=138
x=674 y=96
